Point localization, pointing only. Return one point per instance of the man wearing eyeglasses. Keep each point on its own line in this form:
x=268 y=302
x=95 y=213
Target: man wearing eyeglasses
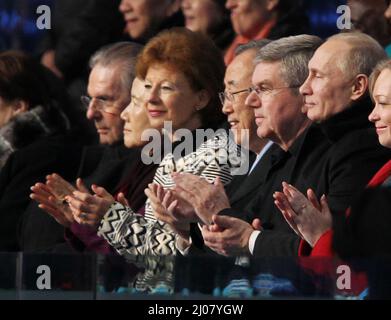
x=335 y=157
x=257 y=228
x=106 y=99
x=281 y=66
x=242 y=120
x=106 y=164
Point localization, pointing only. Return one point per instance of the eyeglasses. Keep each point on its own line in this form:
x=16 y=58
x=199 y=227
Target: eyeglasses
x=100 y=104
x=230 y=96
x=264 y=91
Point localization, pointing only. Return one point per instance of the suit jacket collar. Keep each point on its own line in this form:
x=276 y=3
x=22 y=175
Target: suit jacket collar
x=243 y=185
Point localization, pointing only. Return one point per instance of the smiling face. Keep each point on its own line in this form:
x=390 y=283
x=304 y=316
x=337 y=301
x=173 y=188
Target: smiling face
x=278 y=113
x=201 y=15
x=135 y=116
x=240 y=116
x=104 y=84
x=326 y=91
x=170 y=97
x=381 y=114
x=142 y=17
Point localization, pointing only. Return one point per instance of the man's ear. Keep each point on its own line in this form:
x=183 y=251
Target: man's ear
x=173 y=7
x=203 y=99
x=272 y=4
x=359 y=87
x=19 y=107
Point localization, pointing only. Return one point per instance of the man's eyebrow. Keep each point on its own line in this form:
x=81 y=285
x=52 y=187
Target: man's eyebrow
x=263 y=82
x=231 y=82
x=315 y=70
x=104 y=97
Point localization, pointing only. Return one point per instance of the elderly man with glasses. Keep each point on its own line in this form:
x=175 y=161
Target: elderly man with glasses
x=106 y=164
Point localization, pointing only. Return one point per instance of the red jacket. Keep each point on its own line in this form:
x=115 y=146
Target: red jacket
x=323 y=246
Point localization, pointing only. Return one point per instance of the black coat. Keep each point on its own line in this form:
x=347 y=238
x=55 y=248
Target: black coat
x=23 y=169
x=337 y=159
x=242 y=189
x=340 y=171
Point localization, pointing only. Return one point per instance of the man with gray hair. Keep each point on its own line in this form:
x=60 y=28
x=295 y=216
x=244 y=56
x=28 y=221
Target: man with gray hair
x=336 y=97
x=280 y=70
x=306 y=159
x=109 y=83
x=111 y=77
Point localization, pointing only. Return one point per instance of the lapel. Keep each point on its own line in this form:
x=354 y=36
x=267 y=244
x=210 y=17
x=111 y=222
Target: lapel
x=241 y=186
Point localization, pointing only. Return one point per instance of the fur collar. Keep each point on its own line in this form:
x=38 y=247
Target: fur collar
x=27 y=128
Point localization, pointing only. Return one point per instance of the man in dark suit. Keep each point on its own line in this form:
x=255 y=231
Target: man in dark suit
x=111 y=76
x=337 y=164
x=242 y=120
x=282 y=122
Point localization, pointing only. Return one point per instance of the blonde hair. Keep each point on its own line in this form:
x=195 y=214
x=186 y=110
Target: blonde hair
x=380 y=67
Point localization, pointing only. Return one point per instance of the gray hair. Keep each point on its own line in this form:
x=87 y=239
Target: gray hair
x=294 y=53
x=120 y=54
x=363 y=55
x=253 y=44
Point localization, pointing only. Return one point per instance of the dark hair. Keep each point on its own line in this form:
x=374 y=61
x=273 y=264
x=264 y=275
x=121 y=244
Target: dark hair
x=252 y=44
x=22 y=78
x=197 y=57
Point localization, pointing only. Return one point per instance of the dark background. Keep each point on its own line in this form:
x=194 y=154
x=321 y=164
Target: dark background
x=18 y=21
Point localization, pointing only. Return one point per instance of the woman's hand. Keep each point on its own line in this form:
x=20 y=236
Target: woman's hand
x=308 y=217
x=165 y=208
x=89 y=209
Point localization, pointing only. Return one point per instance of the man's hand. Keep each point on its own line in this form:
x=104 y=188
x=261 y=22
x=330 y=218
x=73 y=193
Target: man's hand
x=207 y=199
x=59 y=186
x=306 y=216
x=58 y=209
x=228 y=236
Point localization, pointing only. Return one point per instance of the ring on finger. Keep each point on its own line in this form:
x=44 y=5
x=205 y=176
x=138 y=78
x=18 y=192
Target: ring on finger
x=83 y=215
